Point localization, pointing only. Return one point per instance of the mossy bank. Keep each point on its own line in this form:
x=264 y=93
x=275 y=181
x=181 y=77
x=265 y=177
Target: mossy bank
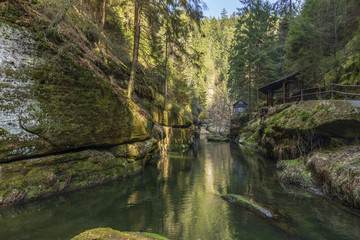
x=314 y=142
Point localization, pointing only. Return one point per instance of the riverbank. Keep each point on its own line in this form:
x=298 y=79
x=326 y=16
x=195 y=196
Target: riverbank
x=293 y=134
x=181 y=199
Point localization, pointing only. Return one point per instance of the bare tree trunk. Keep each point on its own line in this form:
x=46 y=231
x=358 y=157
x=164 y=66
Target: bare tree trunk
x=103 y=15
x=290 y=13
x=250 y=104
x=137 y=31
x=335 y=26
x=166 y=70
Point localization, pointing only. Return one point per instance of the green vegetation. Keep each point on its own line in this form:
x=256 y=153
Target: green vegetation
x=337 y=173
x=110 y=234
x=319 y=38
x=295 y=172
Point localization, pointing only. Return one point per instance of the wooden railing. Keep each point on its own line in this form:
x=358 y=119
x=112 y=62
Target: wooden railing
x=330 y=91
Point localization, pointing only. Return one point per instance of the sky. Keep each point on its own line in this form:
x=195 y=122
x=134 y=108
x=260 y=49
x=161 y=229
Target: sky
x=216 y=7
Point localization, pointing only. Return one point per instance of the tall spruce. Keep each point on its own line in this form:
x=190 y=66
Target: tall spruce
x=253 y=58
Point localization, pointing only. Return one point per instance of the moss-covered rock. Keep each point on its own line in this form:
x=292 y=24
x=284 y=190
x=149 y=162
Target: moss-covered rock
x=245 y=203
x=48 y=107
x=137 y=150
x=172 y=116
x=179 y=138
x=65 y=119
x=217 y=138
x=295 y=172
x=337 y=173
x=236 y=124
x=110 y=234
x=291 y=130
x=38 y=177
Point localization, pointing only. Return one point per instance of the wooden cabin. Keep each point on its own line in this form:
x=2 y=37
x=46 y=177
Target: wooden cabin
x=240 y=107
x=284 y=86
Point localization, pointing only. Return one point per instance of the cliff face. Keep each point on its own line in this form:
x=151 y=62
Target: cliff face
x=65 y=120
x=59 y=132
x=316 y=144
x=290 y=131
x=45 y=111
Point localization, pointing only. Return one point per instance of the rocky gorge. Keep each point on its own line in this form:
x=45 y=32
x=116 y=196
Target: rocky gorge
x=65 y=121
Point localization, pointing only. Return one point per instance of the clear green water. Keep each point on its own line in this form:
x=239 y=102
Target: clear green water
x=180 y=199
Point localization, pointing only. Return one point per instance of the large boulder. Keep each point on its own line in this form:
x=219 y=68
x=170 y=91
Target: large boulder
x=63 y=125
x=291 y=130
x=46 y=107
x=38 y=177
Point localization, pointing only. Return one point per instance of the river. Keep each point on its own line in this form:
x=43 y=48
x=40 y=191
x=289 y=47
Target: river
x=180 y=199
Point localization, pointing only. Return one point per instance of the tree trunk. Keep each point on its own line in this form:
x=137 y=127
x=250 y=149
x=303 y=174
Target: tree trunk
x=290 y=11
x=137 y=30
x=103 y=14
x=250 y=105
x=166 y=70
x=335 y=27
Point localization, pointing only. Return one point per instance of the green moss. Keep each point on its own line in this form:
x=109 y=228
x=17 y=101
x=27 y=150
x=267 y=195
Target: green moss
x=217 y=138
x=108 y=233
x=242 y=201
x=295 y=172
x=156 y=236
x=48 y=175
x=10 y=12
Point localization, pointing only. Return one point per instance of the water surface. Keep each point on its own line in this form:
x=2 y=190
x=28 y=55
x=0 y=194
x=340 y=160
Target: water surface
x=180 y=199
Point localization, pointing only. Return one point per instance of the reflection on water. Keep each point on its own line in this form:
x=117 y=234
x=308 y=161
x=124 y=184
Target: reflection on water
x=180 y=199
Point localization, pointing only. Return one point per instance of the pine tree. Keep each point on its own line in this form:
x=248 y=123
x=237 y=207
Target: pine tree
x=253 y=57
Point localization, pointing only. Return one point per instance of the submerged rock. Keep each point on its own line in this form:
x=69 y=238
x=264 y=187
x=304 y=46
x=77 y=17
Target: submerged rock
x=217 y=138
x=108 y=233
x=245 y=203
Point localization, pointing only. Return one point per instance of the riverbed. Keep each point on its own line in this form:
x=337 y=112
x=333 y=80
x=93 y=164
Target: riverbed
x=180 y=199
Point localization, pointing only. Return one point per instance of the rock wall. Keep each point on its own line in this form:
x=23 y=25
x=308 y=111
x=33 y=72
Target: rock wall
x=176 y=121
x=65 y=124
x=292 y=130
x=47 y=110
x=63 y=127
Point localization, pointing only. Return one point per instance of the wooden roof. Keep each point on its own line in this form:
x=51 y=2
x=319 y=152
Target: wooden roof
x=240 y=103
x=273 y=86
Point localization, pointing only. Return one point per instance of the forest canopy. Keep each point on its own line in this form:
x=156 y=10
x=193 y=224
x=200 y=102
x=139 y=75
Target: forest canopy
x=166 y=50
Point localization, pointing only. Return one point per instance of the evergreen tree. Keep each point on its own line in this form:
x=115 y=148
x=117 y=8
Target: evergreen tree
x=253 y=58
